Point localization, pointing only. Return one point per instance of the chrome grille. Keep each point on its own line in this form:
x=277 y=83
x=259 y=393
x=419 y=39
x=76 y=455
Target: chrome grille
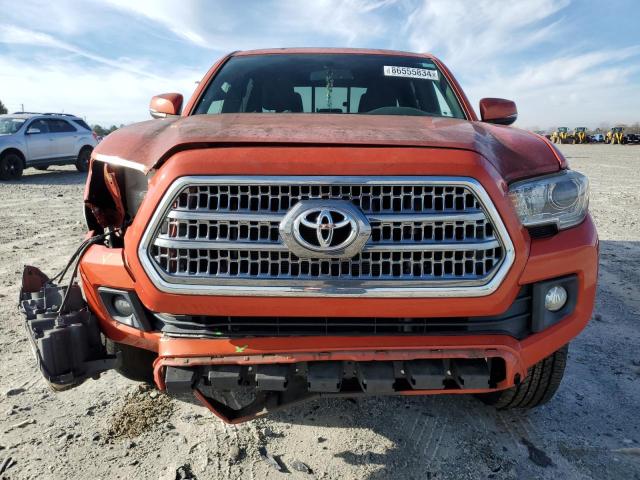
x=220 y=235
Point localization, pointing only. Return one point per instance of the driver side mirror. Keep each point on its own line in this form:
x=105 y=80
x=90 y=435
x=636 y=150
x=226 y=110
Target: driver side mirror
x=33 y=130
x=498 y=111
x=165 y=105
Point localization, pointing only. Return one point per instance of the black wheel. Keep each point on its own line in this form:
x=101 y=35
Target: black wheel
x=136 y=364
x=82 y=163
x=541 y=383
x=42 y=167
x=11 y=167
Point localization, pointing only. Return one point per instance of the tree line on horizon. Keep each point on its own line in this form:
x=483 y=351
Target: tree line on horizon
x=102 y=131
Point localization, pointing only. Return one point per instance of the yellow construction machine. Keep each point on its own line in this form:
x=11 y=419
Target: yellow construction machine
x=615 y=136
x=580 y=135
x=561 y=135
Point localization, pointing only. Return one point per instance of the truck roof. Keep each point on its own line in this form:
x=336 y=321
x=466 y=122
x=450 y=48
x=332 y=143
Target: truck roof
x=321 y=50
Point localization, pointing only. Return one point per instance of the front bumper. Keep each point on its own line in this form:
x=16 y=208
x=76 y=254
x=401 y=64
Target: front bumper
x=68 y=354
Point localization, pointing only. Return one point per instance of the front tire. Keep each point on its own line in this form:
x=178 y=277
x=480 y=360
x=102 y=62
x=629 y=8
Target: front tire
x=82 y=163
x=11 y=167
x=541 y=383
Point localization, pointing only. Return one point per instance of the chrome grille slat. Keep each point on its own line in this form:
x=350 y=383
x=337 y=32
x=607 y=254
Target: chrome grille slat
x=281 y=264
x=424 y=217
x=175 y=244
x=430 y=236
x=241 y=217
x=380 y=217
x=388 y=232
x=276 y=198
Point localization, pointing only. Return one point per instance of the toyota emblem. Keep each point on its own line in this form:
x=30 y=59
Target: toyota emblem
x=325 y=228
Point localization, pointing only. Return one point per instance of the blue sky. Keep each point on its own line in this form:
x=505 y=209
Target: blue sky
x=567 y=62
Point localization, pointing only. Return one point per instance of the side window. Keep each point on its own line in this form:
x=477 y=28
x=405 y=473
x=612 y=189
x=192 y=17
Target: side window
x=218 y=98
x=39 y=125
x=356 y=95
x=52 y=126
x=305 y=94
x=60 y=126
x=445 y=110
x=453 y=103
x=83 y=124
x=215 y=107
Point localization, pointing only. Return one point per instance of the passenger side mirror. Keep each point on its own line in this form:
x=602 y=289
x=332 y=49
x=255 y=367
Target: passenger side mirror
x=165 y=105
x=33 y=130
x=498 y=110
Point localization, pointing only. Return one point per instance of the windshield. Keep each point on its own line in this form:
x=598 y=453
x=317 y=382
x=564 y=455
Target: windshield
x=9 y=125
x=330 y=83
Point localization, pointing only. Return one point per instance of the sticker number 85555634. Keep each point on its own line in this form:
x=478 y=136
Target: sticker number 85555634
x=410 y=72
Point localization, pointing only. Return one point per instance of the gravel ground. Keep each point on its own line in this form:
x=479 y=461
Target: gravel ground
x=114 y=428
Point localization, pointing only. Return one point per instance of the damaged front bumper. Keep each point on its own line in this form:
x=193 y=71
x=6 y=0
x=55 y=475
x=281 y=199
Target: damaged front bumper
x=240 y=388
x=67 y=344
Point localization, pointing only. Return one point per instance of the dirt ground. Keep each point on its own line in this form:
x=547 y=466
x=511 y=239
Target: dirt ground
x=115 y=429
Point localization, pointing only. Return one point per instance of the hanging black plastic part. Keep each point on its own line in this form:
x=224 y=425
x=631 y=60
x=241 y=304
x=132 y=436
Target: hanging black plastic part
x=63 y=333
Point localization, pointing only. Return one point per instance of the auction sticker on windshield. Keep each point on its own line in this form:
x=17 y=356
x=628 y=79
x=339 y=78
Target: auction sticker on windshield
x=410 y=72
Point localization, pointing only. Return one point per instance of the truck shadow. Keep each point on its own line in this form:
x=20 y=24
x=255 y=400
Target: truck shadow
x=425 y=437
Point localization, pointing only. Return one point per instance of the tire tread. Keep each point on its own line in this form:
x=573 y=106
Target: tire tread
x=539 y=386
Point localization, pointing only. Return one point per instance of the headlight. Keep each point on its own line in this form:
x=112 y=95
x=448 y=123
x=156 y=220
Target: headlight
x=561 y=199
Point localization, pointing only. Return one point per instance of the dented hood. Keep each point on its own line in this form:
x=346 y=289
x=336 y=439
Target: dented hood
x=515 y=153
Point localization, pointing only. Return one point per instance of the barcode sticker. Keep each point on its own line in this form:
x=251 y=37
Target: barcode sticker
x=410 y=72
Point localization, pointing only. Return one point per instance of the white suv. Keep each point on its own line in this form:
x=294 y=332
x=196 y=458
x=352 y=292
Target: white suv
x=42 y=139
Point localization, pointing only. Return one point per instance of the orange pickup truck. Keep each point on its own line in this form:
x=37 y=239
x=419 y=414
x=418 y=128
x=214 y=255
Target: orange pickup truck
x=323 y=222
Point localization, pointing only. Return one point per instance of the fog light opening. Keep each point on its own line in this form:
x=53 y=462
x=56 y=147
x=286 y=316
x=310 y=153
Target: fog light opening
x=122 y=305
x=555 y=298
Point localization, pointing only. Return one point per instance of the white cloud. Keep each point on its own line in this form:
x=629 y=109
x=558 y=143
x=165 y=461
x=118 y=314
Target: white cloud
x=572 y=68
x=466 y=34
x=183 y=19
x=483 y=41
x=583 y=89
x=103 y=94
x=349 y=20
x=227 y=25
x=10 y=34
x=66 y=17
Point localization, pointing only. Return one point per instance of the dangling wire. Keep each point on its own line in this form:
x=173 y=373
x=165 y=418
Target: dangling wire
x=82 y=246
x=77 y=255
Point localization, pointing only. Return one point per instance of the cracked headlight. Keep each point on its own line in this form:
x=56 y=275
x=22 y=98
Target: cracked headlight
x=561 y=200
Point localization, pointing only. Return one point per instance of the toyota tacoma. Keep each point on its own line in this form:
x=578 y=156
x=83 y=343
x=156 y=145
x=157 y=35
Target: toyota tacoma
x=323 y=222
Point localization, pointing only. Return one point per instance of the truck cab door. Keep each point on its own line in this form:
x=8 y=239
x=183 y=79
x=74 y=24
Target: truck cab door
x=40 y=144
